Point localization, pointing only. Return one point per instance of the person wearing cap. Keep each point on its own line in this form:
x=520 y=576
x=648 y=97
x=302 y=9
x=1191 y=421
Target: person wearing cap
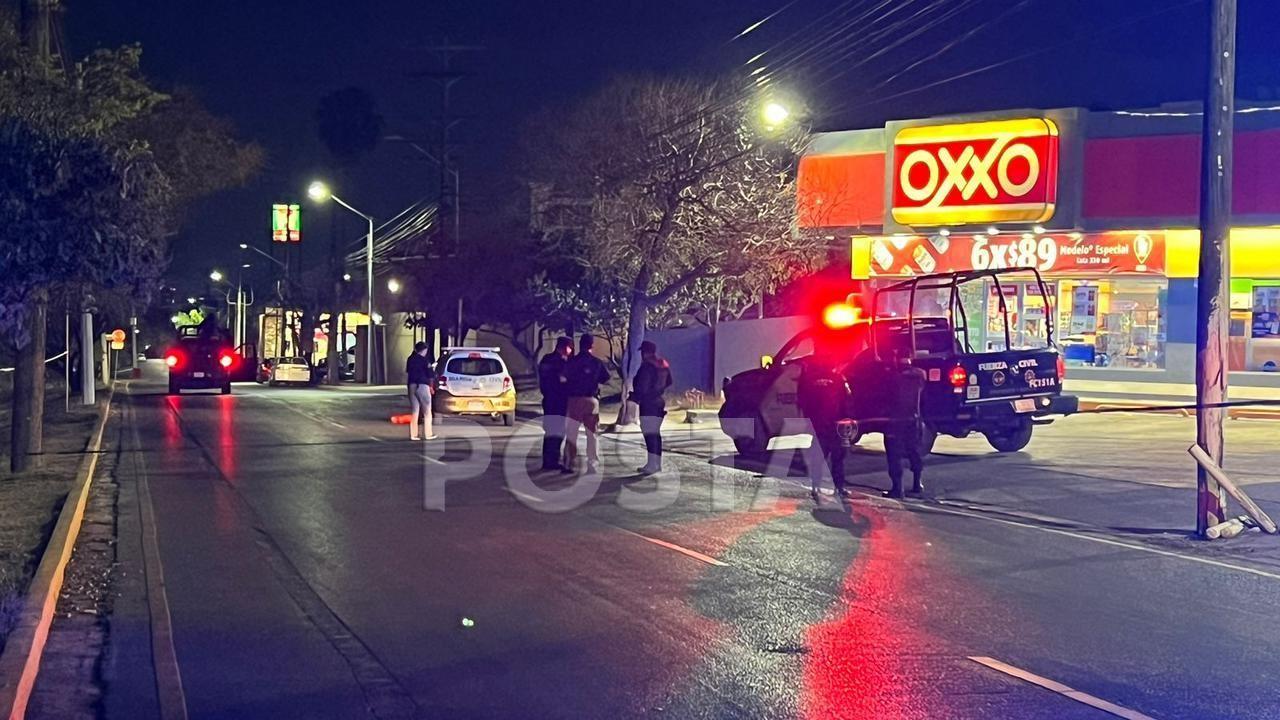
x=583 y=375
x=421 y=378
x=555 y=401
x=648 y=391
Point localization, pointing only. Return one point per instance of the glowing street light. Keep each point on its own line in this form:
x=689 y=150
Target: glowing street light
x=191 y=301
x=215 y=276
x=393 y=285
x=319 y=192
x=775 y=113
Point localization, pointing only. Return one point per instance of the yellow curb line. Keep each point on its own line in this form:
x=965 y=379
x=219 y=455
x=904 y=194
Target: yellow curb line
x=20 y=662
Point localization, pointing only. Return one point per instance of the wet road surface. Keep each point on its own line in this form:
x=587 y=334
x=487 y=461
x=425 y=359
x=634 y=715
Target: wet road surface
x=299 y=575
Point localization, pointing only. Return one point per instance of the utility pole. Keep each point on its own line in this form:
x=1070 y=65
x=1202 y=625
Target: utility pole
x=446 y=78
x=1213 y=284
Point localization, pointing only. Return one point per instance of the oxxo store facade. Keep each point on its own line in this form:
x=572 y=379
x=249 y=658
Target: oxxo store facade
x=1103 y=204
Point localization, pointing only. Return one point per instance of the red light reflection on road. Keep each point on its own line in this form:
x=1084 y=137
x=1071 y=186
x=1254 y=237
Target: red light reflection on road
x=227 y=437
x=172 y=429
x=857 y=663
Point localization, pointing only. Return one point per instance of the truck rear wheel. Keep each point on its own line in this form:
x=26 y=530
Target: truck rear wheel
x=226 y=388
x=751 y=444
x=1011 y=438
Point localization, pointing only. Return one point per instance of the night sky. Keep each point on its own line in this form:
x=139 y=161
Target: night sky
x=266 y=63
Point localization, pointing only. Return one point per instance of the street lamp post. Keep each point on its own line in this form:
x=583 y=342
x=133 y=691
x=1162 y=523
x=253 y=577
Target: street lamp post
x=319 y=192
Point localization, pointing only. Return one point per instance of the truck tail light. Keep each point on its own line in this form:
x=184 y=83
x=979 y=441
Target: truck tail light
x=1062 y=369
x=226 y=360
x=172 y=359
x=958 y=376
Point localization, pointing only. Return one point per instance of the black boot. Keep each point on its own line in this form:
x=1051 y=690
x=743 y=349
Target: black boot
x=917 y=485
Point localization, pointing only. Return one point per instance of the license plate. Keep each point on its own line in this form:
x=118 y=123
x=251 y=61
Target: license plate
x=476 y=405
x=197 y=374
x=1024 y=405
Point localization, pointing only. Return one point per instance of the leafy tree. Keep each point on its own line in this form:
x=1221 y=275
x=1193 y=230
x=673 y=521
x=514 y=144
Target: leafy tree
x=667 y=186
x=84 y=201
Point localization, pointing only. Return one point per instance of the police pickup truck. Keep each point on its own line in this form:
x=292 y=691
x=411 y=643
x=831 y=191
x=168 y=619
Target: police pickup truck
x=201 y=358
x=1001 y=394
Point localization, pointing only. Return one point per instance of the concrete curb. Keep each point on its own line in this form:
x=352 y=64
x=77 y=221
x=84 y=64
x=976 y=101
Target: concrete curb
x=20 y=662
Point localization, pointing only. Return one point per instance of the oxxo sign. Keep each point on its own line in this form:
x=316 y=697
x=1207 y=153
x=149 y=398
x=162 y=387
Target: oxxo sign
x=1004 y=171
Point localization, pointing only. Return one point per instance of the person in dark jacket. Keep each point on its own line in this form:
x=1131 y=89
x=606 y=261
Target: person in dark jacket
x=421 y=378
x=902 y=436
x=583 y=376
x=821 y=394
x=648 y=389
x=555 y=401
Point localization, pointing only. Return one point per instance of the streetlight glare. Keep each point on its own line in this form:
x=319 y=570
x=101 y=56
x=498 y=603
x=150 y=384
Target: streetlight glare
x=393 y=285
x=191 y=301
x=215 y=276
x=346 y=277
x=244 y=246
x=318 y=191
x=775 y=113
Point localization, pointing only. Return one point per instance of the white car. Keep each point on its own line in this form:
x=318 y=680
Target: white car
x=474 y=381
x=291 y=370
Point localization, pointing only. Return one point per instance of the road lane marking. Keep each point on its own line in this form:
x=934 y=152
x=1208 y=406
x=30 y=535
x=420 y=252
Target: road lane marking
x=682 y=550
x=1102 y=540
x=526 y=497
x=435 y=461
x=1063 y=690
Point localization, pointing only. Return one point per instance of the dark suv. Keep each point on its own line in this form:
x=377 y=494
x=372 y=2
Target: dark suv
x=200 y=361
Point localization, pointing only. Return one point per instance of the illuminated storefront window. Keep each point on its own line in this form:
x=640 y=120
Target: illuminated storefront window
x=1113 y=323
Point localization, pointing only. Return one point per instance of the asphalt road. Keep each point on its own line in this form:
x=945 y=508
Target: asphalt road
x=279 y=562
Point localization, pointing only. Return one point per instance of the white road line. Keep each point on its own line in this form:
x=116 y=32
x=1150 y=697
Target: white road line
x=430 y=459
x=682 y=550
x=523 y=496
x=1105 y=541
x=1061 y=689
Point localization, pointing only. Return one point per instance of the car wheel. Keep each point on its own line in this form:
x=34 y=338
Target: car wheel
x=509 y=419
x=1011 y=438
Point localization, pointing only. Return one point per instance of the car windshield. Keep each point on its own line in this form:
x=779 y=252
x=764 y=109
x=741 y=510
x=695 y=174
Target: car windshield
x=474 y=366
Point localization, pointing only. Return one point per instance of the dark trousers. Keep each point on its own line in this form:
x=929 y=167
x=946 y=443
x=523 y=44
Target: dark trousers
x=553 y=433
x=651 y=429
x=833 y=453
x=902 y=444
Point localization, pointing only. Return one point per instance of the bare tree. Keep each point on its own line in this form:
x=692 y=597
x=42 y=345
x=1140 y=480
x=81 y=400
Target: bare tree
x=680 y=194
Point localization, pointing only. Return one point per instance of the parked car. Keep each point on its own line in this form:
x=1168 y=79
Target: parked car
x=474 y=381
x=289 y=370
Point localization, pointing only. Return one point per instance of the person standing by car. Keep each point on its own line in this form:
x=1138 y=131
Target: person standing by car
x=904 y=384
x=583 y=376
x=821 y=394
x=555 y=401
x=421 y=386
x=648 y=388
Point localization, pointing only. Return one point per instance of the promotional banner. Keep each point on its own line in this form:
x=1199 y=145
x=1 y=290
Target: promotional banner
x=286 y=223
x=1130 y=253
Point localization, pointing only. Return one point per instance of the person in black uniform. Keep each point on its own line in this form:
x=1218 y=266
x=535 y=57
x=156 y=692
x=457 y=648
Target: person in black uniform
x=902 y=437
x=821 y=394
x=648 y=388
x=555 y=401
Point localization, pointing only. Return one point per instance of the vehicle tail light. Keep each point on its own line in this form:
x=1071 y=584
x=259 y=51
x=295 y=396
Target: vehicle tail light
x=172 y=359
x=442 y=382
x=958 y=376
x=1062 y=368
x=506 y=384
x=226 y=360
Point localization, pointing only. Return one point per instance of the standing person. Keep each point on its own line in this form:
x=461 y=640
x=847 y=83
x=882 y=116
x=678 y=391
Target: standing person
x=555 y=401
x=584 y=373
x=902 y=435
x=421 y=387
x=822 y=393
x=650 y=383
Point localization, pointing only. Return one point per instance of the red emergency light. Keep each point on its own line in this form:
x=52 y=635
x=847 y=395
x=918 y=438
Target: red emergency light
x=172 y=359
x=838 y=316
